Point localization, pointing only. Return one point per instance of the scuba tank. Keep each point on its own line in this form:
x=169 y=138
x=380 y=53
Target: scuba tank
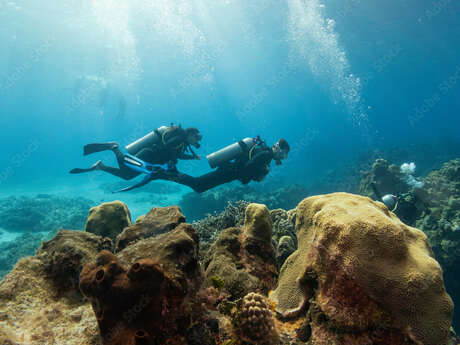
x=228 y=153
x=390 y=201
x=152 y=138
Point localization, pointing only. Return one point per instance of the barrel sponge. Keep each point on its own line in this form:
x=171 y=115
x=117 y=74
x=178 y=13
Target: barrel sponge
x=362 y=269
x=257 y=222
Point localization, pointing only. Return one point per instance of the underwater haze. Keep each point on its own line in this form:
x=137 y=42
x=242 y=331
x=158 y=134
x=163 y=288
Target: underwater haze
x=344 y=82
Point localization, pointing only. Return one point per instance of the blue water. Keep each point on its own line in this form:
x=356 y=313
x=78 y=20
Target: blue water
x=335 y=78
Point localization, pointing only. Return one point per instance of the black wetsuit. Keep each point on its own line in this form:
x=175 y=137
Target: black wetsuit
x=253 y=165
x=172 y=146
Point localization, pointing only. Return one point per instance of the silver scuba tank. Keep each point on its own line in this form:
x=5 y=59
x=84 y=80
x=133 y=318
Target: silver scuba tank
x=148 y=140
x=228 y=153
x=390 y=201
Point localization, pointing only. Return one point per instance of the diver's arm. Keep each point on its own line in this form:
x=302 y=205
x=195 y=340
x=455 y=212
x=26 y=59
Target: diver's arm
x=186 y=156
x=174 y=138
x=259 y=158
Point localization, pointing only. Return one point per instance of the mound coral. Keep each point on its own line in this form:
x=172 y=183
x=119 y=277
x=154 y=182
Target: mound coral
x=157 y=221
x=108 y=219
x=362 y=276
x=65 y=255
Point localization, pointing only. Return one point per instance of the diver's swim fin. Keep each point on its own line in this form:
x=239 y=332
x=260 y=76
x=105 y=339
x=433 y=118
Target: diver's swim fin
x=98 y=147
x=144 y=181
x=95 y=166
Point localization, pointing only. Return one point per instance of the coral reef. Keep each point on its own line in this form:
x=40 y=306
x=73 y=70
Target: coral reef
x=440 y=220
x=385 y=178
x=134 y=306
x=197 y=206
x=284 y=249
x=354 y=274
x=244 y=259
x=108 y=219
x=435 y=209
x=34 y=310
x=65 y=255
x=212 y=225
x=283 y=224
x=146 y=302
x=362 y=276
x=255 y=322
x=157 y=221
x=176 y=250
x=12 y=251
x=42 y=213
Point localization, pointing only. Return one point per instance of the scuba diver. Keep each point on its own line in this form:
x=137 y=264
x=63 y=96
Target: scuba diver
x=389 y=200
x=162 y=146
x=246 y=160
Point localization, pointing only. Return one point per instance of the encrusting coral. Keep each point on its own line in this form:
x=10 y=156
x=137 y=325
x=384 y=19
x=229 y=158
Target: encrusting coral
x=157 y=221
x=39 y=302
x=244 y=258
x=65 y=255
x=362 y=276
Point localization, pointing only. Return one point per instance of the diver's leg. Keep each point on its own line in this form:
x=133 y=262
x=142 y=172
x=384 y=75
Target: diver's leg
x=213 y=179
x=124 y=172
x=93 y=167
x=199 y=184
x=98 y=147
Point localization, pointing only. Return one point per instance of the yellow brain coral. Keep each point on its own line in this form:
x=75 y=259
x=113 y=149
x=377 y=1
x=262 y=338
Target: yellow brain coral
x=362 y=276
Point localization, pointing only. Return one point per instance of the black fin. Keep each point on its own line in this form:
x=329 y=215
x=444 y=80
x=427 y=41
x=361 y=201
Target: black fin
x=144 y=181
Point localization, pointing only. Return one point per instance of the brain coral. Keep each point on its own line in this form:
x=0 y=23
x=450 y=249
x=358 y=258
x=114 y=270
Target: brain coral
x=362 y=276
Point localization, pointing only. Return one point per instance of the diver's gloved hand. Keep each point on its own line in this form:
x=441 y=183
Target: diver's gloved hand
x=157 y=169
